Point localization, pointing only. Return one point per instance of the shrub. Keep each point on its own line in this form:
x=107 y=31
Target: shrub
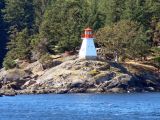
x=46 y=61
x=9 y=64
x=125 y=39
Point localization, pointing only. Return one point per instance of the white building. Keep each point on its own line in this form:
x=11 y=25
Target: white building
x=88 y=50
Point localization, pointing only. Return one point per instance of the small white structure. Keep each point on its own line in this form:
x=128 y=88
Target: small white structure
x=88 y=50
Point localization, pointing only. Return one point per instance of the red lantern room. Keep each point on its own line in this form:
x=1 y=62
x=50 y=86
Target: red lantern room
x=88 y=33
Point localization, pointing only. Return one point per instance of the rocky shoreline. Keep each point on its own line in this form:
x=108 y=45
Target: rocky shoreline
x=78 y=76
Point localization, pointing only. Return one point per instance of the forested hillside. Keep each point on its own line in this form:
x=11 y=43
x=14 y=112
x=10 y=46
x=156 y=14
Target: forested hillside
x=37 y=28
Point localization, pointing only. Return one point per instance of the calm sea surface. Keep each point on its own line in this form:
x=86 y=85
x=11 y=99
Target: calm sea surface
x=144 y=106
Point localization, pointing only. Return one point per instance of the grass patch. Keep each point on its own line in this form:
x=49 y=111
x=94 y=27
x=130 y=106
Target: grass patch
x=94 y=72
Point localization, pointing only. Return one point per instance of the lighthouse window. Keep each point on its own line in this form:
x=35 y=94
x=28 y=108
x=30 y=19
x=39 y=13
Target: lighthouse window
x=88 y=32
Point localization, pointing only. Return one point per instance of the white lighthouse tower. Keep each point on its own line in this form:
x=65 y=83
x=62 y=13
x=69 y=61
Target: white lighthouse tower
x=88 y=50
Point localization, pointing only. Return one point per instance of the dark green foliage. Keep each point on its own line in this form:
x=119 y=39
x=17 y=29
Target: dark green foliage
x=39 y=47
x=18 y=49
x=125 y=38
x=37 y=28
x=19 y=14
x=9 y=63
x=46 y=61
x=62 y=25
x=64 y=22
x=142 y=11
x=39 y=9
x=95 y=18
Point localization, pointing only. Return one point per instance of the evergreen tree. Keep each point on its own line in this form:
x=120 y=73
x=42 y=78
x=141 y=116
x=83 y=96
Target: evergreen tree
x=114 y=10
x=19 y=14
x=96 y=18
x=18 y=49
x=40 y=7
x=45 y=27
x=62 y=25
x=142 y=11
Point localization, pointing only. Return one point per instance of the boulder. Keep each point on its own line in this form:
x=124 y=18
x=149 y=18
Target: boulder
x=152 y=83
x=76 y=85
x=103 y=77
x=121 y=81
x=3 y=73
x=61 y=91
x=34 y=67
x=8 y=92
x=77 y=90
x=150 y=89
x=91 y=90
x=75 y=76
x=14 y=75
x=12 y=85
x=28 y=83
x=116 y=90
x=100 y=90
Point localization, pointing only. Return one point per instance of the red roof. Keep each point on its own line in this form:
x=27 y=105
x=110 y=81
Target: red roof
x=88 y=29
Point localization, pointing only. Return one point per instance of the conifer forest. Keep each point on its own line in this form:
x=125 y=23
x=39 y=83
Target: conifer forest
x=35 y=29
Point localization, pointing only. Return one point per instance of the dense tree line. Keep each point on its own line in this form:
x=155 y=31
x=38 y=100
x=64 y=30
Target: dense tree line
x=38 y=28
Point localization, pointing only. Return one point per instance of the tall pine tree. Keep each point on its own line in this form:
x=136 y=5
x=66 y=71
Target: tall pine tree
x=19 y=15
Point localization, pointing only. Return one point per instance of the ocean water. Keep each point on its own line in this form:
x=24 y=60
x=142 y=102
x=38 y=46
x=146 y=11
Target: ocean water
x=138 y=106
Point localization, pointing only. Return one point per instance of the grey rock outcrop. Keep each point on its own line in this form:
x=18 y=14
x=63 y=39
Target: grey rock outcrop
x=76 y=76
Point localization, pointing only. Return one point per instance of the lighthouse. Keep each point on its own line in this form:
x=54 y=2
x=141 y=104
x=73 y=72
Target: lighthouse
x=88 y=50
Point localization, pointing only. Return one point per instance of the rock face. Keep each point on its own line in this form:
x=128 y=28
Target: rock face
x=77 y=76
x=8 y=92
